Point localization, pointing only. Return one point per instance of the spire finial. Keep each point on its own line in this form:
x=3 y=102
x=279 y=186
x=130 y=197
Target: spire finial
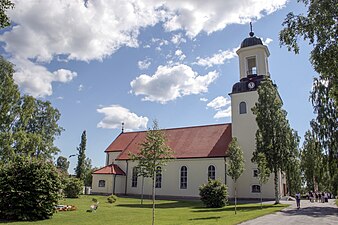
x=251 y=33
x=122 y=127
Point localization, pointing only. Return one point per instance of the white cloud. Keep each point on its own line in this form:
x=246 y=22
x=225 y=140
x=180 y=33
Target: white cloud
x=180 y=54
x=219 y=102
x=195 y=16
x=267 y=41
x=80 y=88
x=216 y=59
x=223 y=113
x=177 y=39
x=114 y=115
x=72 y=30
x=36 y=80
x=171 y=82
x=144 y=64
x=203 y=99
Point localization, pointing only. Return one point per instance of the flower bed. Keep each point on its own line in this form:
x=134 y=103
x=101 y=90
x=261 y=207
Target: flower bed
x=65 y=208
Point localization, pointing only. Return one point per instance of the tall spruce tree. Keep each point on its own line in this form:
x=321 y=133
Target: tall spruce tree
x=154 y=153
x=235 y=164
x=80 y=170
x=272 y=133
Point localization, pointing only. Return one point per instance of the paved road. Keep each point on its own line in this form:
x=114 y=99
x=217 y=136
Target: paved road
x=309 y=214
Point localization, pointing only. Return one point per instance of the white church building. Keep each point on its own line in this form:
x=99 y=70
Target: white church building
x=200 y=151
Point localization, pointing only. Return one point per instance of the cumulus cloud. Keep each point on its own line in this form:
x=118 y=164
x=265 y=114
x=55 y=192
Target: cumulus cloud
x=114 y=115
x=222 y=107
x=223 y=113
x=144 y=64
x=180 y=54
x=216 y=59
x=73 y=30
x=219 y=102
x=177 y=39
x=36 y=80
x=171 y=82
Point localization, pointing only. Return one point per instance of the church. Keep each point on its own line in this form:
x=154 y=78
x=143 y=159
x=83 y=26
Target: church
x=200 y=151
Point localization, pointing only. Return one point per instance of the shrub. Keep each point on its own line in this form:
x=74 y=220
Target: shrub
x=214 y=194
x=29 y=189
x=73 y=187
x=111 y=199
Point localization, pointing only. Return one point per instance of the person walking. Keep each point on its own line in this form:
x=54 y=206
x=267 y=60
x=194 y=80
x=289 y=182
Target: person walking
x=298 y=200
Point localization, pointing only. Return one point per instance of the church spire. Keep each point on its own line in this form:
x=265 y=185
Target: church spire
x=251 y=34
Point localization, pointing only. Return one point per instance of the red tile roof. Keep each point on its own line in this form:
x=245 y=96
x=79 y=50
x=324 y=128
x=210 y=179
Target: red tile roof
x=188 y=142
x=110 y=169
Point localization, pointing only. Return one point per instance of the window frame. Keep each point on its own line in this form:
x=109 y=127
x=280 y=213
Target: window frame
x=253 y=190
x=255 y=172
x=158 y=177
x=211 y=172
x=242 y=108
x=101 y=183
x=251 y=70
x=134 y=177
x=184 y=177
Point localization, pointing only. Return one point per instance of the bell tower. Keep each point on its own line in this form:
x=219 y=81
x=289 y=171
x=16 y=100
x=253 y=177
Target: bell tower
x=253 y=68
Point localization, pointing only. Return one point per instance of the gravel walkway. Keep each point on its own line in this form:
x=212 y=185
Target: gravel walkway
x=309 y=214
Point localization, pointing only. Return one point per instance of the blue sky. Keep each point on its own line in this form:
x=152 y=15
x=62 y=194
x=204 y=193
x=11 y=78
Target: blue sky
x=104 y=62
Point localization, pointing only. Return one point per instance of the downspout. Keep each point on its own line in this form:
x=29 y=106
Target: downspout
x=225 y=171
x=126 y=183
x=114 y=184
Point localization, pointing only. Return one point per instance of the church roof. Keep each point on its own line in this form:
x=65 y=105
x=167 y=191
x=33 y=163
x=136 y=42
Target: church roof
x=110 y=169
x=188 y=142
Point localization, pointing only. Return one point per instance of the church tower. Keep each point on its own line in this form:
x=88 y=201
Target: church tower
x=253 y=67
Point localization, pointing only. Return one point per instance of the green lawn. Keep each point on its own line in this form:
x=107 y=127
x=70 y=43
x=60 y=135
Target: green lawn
x=129 y=211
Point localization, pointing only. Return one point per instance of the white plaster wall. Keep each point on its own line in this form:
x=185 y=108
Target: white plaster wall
x=197 y=175
x=261 y=52
x=109 y=183
x=112 y=156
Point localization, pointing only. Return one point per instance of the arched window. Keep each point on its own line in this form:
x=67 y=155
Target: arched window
x=102 y=183
x=256 y=189
x=242 y=108
x=158 y=183
x=134 y=177
x=184 y=177
x=211 y=172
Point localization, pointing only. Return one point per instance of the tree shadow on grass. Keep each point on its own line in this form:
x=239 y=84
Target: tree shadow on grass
x=232 y=208
x=173 y=204
x=207 y=218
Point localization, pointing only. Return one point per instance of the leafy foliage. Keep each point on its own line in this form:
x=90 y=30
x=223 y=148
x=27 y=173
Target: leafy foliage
x=214 y=194
x=29 y=189
x=235 y=164
x=273 y=134
x=73 y=187
x=319 y=28
x=62 y=164
x=4 y=6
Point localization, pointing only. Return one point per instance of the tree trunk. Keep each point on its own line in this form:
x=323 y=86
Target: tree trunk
x=142 y=190
x=235 y=197
x=261 y=196
x=153 y=192
x=276 y=187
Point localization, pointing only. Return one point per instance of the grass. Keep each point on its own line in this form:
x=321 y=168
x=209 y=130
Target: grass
x=337 y=202
x=129 y=211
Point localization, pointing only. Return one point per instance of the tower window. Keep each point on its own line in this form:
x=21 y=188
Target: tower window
x=252 y=68
x=242 y=108
x=184 y=177
x=211 y=172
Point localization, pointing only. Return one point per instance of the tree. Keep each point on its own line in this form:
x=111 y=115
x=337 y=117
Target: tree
x=88 y=172
x=235 y=164
x=81 y=166
x=154 y=153
x=4 y=6
x=273 y=130
x=29 y=189
x=62 y=164
x=214 y=194
x=263 y=172
x=319 y=28
x=312 y=161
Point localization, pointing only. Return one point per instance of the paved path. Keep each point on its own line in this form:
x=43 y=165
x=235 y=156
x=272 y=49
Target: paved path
x=309 y=214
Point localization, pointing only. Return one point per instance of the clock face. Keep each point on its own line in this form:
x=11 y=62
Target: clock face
x=251 y=85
